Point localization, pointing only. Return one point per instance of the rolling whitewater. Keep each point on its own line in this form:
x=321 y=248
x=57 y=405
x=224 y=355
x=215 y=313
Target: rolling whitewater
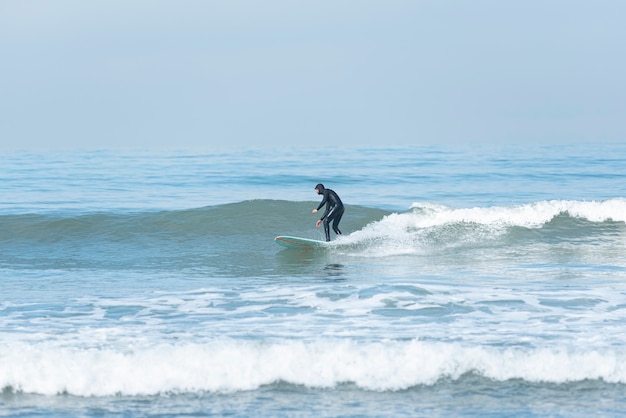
x=467 y=281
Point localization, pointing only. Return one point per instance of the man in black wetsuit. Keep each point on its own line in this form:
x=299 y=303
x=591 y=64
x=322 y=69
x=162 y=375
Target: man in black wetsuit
x=334 y=210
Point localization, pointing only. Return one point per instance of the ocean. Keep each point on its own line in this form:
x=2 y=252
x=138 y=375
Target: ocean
x=470 y=280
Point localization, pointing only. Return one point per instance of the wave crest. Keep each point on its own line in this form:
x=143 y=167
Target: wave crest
x=229 y=365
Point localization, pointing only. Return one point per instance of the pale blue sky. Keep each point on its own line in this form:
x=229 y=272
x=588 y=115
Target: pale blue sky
x=204 y=74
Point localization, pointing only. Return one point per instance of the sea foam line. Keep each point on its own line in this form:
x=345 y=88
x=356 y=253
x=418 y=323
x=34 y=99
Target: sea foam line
x=530 y=215
x=233 y=365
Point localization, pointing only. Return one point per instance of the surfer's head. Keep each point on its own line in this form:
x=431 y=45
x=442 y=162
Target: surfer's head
x=319 y=188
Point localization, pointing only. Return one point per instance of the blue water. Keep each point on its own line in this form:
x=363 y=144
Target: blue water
x=470 y=280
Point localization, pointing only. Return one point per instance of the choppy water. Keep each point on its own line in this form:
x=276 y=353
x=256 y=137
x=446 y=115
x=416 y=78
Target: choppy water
x=472 y=281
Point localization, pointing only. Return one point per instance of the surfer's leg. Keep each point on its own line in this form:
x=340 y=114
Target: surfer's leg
x=336 y=220
x=327 y=229
x=335 y=216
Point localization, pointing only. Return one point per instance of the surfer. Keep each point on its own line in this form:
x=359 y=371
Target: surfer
x=334 y=210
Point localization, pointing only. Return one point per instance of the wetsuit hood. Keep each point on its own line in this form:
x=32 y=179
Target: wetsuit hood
x=320 y=188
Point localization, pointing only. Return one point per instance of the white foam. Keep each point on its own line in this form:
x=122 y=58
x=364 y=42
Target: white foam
x=234 y=365
x=413 y=232
x=531 y=215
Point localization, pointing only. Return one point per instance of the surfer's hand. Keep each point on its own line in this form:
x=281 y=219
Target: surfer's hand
x=318 y=223
x=314 y=211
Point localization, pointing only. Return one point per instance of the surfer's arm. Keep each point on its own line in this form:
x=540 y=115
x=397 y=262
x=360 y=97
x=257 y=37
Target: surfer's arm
x=325 y=213
x=322 y=203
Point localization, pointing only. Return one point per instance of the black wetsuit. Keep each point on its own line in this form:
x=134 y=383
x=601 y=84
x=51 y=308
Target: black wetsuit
x=334 y=211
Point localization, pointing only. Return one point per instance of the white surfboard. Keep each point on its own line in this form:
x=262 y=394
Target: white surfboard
x=297 y=242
